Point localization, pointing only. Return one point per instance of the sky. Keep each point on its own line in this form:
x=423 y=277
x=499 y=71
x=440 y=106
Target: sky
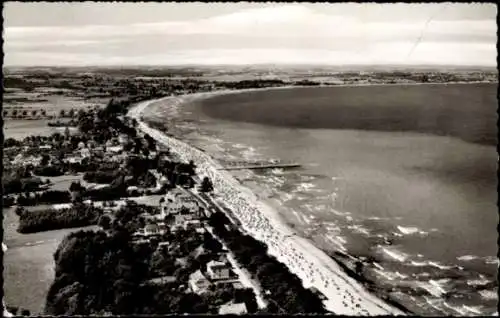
x=94 y=33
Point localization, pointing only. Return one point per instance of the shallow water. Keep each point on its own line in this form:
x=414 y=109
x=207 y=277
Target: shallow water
x=419 y=209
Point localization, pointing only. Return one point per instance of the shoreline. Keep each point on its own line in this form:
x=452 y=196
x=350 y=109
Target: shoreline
x=263 y=223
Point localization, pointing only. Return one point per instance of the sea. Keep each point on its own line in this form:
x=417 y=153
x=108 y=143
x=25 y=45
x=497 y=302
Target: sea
x=401 y=179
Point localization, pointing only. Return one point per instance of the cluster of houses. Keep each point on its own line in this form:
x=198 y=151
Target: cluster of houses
x=111 y=151
x=180 y=210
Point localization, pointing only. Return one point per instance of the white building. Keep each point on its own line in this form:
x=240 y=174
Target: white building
x=192 y=225
x=218 y=270
x=233 y=309
x=198 y=283
x=151 y=229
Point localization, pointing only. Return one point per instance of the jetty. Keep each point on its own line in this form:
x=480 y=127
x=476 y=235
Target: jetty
x=262 y=166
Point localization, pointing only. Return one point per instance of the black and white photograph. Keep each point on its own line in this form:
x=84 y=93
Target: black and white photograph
x=250 y=158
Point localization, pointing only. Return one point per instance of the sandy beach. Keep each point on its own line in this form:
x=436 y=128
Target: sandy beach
x=344 y=294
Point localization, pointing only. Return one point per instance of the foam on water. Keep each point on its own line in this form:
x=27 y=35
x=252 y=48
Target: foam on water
x=407 y=230
x=440 y=266
x=339 y=213
x=278 y=171
x=467 y=258
x=478 y=282
x=489 y=294
x=432 y=288
x=305 y=186
x=394 y=254
x=473 y=309
x=491 y=260
x=419 y=264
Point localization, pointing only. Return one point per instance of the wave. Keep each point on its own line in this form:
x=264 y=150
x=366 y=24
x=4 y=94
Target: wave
x=390 y=275
x=440 y=266
x=486 y=259
x=397 y=255
x=359 y=229
x=419 y=264
x=305 y=186
x=278 y=171
x=432 y=287
x=411 y=230
x=478 y=282
x=467 y=258
x=407 y=230
x=489 y=294
x=339 y=213
x=473 y=309
x=491 y=260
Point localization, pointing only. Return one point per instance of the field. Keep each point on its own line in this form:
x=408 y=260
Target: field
x=20 y=129
x=28 y=264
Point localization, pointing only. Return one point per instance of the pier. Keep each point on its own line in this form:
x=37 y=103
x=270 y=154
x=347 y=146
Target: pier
x=263 y=166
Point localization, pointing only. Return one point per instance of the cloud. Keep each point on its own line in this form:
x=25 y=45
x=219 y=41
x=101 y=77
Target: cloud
x=285 y=33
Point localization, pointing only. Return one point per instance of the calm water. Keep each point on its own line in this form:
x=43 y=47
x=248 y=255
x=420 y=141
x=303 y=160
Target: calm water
x=413 y=195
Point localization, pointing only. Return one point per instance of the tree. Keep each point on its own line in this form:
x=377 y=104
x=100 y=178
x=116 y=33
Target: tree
x=14 y=113
x=191 y=168
x=71 y=113
x=34 y=112
x=5 y=113
x=104 y=222
x=206 y=185
x=20 y=210
x=43 y=112
x=25 y=113
x=62 y=113
x=45 y=160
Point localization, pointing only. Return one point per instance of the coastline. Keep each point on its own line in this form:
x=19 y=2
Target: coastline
x=263 y=223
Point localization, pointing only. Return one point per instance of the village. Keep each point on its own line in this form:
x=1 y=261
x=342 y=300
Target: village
x=54 y=177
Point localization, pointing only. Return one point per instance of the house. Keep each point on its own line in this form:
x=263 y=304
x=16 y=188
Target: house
x=218 y=270
x=161 y=280
x=132 y=190
x=192 y=225
x=235 y=284
x=114 y=149
x=233 y=309
x=151 y=229
x=85 y=152
x=122 y=139
x=198 y=283
x=74 y=159
x=164 y=245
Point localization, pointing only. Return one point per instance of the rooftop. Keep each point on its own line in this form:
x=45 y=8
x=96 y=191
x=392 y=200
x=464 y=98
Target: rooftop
x=197 y=276
x=215 y=263
x=231 y=308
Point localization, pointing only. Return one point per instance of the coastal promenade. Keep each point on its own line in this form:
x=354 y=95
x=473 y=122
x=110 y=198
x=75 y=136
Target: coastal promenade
x=344 y=294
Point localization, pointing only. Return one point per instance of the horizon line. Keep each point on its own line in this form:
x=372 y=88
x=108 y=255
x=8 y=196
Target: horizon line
x=254 y=65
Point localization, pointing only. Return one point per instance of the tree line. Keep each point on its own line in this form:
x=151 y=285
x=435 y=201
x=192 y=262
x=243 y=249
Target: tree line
x=287 y=294
x=53 y=219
